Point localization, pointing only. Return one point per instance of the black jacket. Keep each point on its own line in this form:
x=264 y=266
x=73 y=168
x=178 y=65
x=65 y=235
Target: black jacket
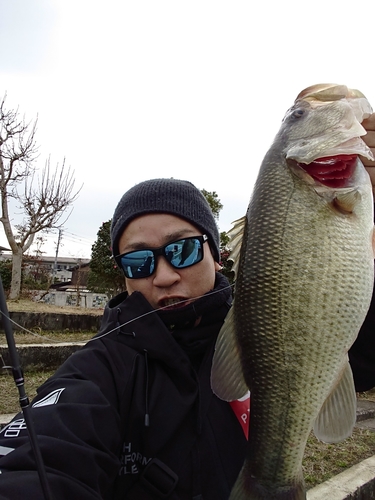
x=131 y=412
x=362 y=353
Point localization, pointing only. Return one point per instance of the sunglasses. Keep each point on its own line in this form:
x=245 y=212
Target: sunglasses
x=179 y=254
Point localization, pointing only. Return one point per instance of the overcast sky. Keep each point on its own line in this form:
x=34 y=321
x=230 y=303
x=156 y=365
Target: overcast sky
x=132 y=90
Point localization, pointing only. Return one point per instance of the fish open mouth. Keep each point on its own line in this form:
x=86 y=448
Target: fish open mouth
x=332 y=171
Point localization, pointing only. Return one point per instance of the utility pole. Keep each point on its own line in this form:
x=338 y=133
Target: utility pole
x=57 y=253
x=78 y=304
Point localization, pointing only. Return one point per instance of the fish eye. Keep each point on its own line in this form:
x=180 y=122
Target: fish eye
x=297 y=113
x=294 y=114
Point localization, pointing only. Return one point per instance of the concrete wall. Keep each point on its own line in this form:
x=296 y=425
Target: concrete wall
x=41 y=356
x=85 y=299
x=54 y=322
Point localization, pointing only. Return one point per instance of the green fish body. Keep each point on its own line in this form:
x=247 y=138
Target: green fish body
x=304 y=267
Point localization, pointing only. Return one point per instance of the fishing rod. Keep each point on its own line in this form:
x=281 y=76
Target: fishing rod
x=23 y=399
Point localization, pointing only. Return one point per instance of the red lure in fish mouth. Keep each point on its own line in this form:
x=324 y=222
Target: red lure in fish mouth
x=332 y=171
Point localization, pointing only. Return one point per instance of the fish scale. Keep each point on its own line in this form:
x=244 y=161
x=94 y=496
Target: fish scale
x=304 y=284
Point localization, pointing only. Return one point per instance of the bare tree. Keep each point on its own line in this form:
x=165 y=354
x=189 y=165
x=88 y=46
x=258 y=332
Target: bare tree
x=42 y=199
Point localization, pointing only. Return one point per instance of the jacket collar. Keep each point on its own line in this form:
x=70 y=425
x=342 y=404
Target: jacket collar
x=135 y=323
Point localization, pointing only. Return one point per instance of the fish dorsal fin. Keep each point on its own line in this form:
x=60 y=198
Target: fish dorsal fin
x=235 y=235
x=227 y=380
x=337 y=416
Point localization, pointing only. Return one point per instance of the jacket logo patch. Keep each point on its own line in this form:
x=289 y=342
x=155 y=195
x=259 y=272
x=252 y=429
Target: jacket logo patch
x=14 y=429
x=131 y=461
x=4 y=450
x=51 y=399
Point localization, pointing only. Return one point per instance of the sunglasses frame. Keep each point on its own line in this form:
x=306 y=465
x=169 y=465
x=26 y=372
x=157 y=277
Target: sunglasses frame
x=161 y=251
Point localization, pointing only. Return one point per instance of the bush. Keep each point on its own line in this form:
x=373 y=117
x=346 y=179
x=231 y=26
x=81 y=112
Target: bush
x=6 y=273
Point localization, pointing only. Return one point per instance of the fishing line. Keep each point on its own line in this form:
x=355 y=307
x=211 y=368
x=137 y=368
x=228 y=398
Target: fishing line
x=119 y=326
x=156 y=310
x=36 y=334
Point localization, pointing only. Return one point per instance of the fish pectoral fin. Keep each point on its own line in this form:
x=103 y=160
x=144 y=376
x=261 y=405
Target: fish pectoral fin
x=227 y=380
x=337 y=416
x=346 y=202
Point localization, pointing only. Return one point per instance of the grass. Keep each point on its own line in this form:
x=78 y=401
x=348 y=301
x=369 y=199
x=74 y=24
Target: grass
x=368 y=396
x=323 y=461
x=27 y=305
x=37 y=336
x=9 y=396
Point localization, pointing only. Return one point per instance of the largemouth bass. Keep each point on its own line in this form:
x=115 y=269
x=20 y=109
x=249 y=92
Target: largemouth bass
x=304 y=264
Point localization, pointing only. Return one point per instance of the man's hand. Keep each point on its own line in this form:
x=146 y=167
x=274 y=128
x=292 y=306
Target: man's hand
x=369 y=138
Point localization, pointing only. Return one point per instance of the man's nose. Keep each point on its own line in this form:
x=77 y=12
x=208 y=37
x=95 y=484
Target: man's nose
x=165 y=274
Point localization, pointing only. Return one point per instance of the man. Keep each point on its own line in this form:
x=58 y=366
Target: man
x=132 y=415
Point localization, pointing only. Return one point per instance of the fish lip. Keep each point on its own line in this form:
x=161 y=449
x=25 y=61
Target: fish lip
x=173 y=302
x=352 y=146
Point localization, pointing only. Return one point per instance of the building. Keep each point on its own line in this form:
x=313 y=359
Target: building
x=69 y=275
x=60 y=269
x=80 y=274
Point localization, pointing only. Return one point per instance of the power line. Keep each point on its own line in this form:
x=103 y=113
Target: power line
x=66 y=236
x=66 y=241
x=91 y=240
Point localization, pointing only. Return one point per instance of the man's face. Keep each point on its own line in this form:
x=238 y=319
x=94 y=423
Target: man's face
x=167 y=286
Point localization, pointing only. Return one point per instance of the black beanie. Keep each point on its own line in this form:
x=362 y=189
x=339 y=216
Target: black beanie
x=170 y=196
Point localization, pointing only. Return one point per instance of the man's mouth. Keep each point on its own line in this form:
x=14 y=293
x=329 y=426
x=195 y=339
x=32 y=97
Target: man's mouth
x=173 y=303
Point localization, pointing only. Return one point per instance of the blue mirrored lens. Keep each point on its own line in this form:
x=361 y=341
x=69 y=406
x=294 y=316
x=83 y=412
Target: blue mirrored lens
x=139 y=264
x=184 y=253
x=180 y=254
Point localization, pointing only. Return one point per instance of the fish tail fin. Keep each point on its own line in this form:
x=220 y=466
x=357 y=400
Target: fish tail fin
x=248 y=488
